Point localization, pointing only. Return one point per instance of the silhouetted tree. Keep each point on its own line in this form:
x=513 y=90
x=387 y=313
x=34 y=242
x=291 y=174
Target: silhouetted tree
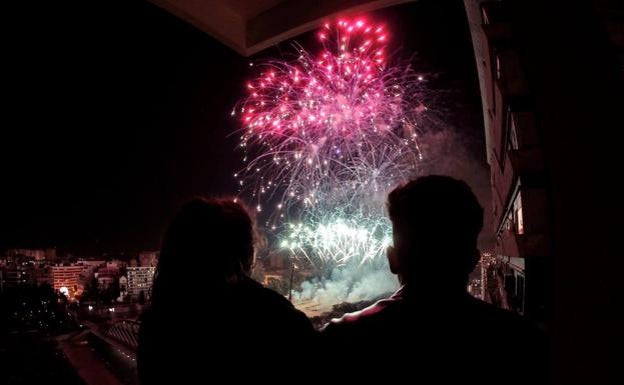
x=91 y=291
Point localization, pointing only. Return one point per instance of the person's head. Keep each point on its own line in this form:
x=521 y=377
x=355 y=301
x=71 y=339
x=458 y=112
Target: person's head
x=436 y=221
x=209 y=243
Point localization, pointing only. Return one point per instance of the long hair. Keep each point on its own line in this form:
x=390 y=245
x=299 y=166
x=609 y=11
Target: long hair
x=209 y=244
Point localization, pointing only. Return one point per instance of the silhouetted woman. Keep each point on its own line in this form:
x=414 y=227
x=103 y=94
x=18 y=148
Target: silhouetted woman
x=208 y=319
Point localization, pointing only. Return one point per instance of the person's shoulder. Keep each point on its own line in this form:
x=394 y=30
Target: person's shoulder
x=351 y=322
x=530 y=342
x=486 y=311
x=267 y=296
x=495 y=317
x=275 y=304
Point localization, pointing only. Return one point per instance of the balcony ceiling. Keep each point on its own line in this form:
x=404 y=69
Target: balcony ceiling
x=249 y=26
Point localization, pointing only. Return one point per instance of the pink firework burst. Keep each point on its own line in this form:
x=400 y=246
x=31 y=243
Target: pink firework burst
x=337 y=92
x=333 y=118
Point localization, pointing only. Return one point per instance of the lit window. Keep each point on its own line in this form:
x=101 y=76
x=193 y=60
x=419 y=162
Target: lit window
x=512 y=135
x=519 y=220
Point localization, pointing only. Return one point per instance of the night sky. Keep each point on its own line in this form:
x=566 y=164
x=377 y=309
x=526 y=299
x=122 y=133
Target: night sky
x=118 y=112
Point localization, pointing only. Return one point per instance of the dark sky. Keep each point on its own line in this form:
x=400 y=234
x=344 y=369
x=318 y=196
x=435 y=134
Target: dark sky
x=118 y=111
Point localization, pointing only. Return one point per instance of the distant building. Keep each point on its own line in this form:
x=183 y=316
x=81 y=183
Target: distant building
x=88 y=269
x=105 y=282
x=91 y=263
x=140 y=279
x=22 y=254
x=123 y=288
x=112 y=265
x=106 y=276
x=24 y=274
x=42 y=276
x=108 y=269
x=17 y=275
x=66 y=279
x=120 y=263
x=517 y=275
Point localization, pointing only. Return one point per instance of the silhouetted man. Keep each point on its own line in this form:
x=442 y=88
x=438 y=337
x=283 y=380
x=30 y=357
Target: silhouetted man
x=431 y=330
